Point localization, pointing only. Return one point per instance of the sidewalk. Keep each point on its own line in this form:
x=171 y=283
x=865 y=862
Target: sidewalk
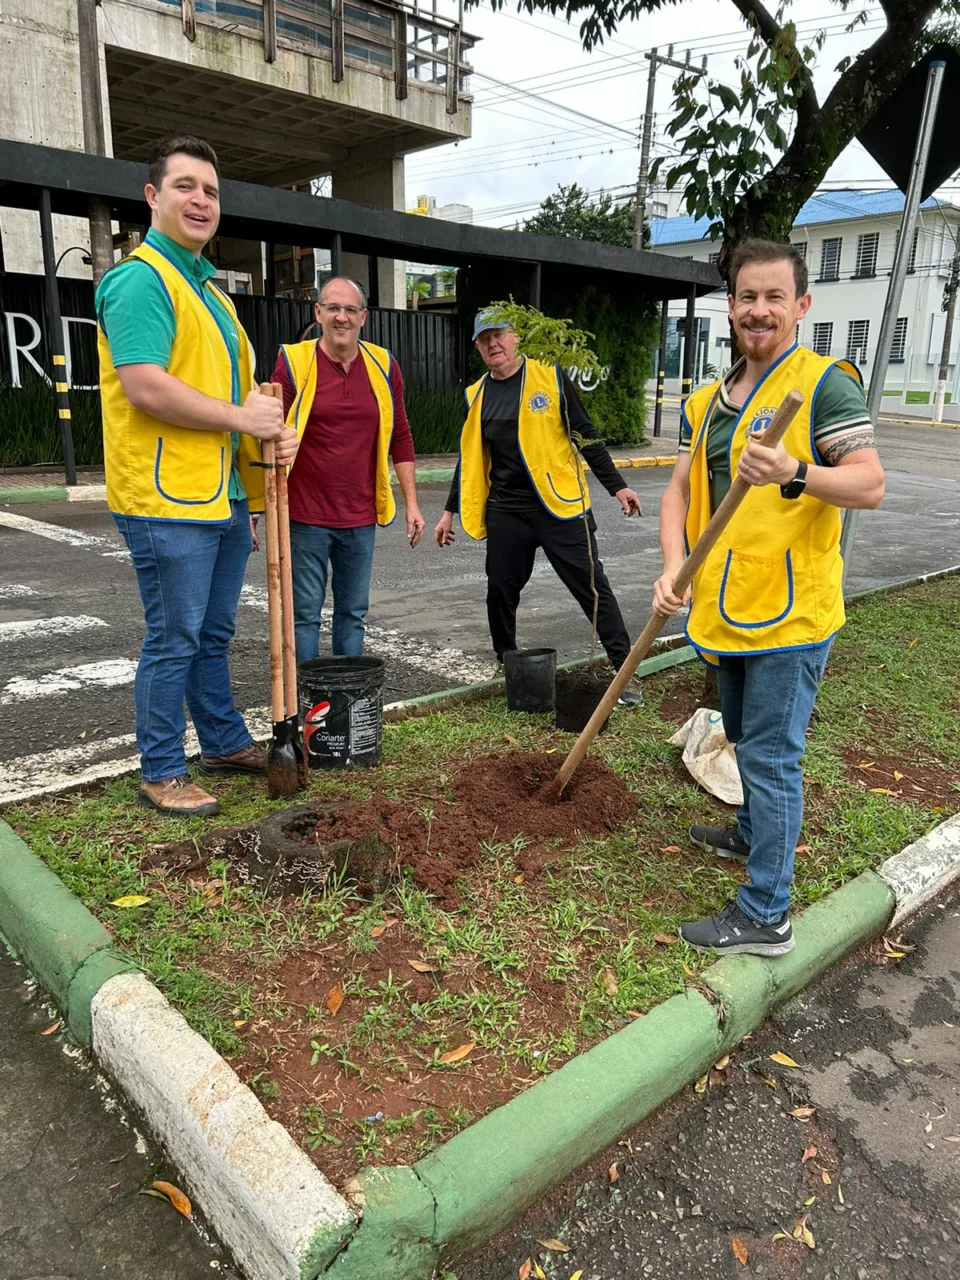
x=878 y=1048
x=47 y=484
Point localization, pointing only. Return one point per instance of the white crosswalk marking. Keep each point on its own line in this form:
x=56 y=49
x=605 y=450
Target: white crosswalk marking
x=46 y=628
x=104 y=675
x=57 y=533
x=12 y=591
x=451 y=664
x=47 y=772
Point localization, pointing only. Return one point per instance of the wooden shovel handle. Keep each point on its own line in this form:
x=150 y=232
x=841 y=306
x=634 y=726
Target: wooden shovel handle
x=688 y=571
x=286 y=575
x=274 y=602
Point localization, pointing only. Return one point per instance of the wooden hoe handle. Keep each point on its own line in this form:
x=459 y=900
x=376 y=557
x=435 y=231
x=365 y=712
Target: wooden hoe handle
x=688 y=571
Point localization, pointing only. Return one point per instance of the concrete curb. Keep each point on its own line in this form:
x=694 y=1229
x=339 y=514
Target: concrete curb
x=918 y=873
x=98 y=492
x=270 y=1204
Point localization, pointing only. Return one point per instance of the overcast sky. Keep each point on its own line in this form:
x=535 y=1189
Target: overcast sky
x=522 y=147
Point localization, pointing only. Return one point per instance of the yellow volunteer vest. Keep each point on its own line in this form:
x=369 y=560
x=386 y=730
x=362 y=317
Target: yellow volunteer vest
x=774 y=580
x=548 y=453
x=154 y=468
x=301 y=358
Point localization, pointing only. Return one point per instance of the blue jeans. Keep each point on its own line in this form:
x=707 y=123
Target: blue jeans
x=189 y=577
x=350 y=554
x=767 y=701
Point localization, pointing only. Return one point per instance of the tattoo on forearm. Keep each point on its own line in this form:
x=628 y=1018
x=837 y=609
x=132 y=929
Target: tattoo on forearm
x=853 y=443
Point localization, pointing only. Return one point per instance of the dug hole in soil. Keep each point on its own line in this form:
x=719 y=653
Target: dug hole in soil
x=495 y=799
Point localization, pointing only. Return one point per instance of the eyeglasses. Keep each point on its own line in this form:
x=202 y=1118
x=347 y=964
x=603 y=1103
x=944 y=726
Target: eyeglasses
x=333 y=308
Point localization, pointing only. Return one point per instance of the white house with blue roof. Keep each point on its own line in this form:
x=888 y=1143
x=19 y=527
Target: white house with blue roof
x=848 y=239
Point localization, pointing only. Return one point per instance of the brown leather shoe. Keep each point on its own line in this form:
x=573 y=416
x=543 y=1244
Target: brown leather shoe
x=249 y=759
x=177 y=798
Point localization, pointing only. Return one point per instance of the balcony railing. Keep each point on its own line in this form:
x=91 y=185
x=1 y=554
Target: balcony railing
x=405 y=42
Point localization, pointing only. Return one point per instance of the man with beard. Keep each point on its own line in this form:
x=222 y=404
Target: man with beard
x=769 y=599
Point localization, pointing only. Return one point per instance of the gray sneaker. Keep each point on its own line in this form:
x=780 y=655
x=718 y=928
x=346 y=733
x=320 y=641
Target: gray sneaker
x=732 y=933
x=726 y=842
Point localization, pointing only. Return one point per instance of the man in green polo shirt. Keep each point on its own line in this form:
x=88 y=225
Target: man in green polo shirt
x=180 y=407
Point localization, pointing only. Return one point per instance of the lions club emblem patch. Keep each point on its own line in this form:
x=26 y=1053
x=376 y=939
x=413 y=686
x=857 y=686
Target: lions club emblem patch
x=539 y=402
x=761 y=420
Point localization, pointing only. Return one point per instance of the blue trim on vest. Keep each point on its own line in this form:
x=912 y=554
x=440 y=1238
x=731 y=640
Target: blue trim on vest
x=393 y=414
x=187 y=502
x=177 y=520
x=559 y=498
x=752 y=626
x=757 y=653
x=234 y=364
x=286 y=361
x=746 y=404
x=300 y=394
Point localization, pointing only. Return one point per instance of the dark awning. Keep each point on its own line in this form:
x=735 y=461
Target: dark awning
x=273 y=214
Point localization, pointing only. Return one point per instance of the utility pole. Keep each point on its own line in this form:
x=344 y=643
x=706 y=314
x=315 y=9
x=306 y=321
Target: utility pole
x=94 y=135
x=949 y=306
x=656 y=59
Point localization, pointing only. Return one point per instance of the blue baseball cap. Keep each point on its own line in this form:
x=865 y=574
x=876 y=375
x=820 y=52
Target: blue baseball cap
x=490 y=318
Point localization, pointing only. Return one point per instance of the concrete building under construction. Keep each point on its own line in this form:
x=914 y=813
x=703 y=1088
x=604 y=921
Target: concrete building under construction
x=287 y=91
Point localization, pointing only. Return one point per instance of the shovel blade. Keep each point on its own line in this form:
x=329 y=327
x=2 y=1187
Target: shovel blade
x=300 y=755
x=282 y=777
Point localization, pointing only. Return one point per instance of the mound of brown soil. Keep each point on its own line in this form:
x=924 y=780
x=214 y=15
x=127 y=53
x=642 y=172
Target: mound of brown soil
x=498 y=798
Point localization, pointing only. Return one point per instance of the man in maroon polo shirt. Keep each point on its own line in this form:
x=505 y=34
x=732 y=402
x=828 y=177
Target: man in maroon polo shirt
x=344 y=397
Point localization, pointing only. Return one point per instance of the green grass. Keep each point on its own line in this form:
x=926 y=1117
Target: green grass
x=918 y=397
x=532 y=970
x=436 y=418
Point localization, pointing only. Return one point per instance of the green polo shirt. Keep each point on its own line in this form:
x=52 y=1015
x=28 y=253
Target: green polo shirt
x=136 y=314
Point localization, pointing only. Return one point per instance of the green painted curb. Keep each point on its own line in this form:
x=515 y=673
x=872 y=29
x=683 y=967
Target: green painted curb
x=55 y=493
x=398 y=1227
x=486 y=1175
x=53 y=932
x=748 y=987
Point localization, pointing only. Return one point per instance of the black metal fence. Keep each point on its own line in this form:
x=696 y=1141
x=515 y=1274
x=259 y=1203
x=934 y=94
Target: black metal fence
x=426 y=346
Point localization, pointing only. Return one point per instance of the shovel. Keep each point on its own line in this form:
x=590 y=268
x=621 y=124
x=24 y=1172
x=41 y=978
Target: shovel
x=282 y=777
x=289 y=641
x=688 y=571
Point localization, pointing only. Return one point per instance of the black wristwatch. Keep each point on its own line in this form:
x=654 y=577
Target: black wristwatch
x=797 y=484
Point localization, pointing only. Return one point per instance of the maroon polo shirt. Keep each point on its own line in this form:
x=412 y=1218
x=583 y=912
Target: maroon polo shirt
x=333 y=481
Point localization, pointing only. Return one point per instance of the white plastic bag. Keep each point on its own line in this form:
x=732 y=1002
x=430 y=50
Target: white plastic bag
x=709 y=757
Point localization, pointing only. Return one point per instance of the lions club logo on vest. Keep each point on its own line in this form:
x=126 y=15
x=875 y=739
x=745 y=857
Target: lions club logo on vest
x=761 y=420
x=539 y=402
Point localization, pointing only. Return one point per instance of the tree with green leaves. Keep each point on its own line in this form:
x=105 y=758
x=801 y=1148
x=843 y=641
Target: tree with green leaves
x=571 y=212
x=752 y=153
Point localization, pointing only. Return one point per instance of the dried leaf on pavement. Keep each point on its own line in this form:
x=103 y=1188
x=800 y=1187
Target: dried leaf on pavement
x=555 y=1246
x=461 y=1051
x=701 y=1085
x=335 y=999
x=176 y=1197
x=539 y=1272
x=808 y=1154
x=525 y=1269
x=53 y=1027
x=422 y=966
x=723 y=1063
x=802 y=1113
x=784 y=1060
x=577 y=1275
x=825 y=1178
x=613 y=1173
x=739 y=1250
x=802 y=1232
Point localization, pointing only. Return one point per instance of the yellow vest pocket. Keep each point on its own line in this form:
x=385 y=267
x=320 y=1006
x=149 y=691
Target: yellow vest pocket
x=187 y=476
x=756 y=591
x=564 y=487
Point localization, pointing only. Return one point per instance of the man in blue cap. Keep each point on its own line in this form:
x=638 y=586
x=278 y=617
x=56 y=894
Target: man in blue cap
x=520 y=484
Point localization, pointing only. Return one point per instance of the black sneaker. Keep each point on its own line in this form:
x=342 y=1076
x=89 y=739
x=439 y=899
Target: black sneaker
x=631 y=697
x=733 y=933
x=726 y=842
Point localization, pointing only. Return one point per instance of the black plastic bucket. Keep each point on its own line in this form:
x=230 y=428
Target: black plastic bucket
x=341 y=707
x=531 y=676
x=578 y=696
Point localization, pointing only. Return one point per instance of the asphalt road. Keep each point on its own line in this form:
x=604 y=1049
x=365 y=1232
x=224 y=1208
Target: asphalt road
x=71 y=622
x=878 y=1043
